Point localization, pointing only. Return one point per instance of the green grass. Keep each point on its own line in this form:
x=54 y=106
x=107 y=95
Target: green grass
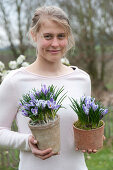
x=102 y=160
x=109 y=86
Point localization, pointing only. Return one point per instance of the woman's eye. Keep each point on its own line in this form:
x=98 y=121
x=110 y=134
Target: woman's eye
x=48 y=37
x=61 y=36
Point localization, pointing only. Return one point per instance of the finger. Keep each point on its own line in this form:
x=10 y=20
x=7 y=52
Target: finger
x=76 y=149
x=46 y=156
x=57 y=153
x=104 y=138
x=94 y=150
x=43 y=152
x=32 y=140
x=84 y=151
x=89 y=151
x=49 y=155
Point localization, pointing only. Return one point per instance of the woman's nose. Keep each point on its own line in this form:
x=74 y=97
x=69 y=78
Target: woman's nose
x=55 y=42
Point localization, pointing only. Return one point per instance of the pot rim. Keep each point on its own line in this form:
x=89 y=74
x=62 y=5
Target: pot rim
x=89 y=129
x=47 y=125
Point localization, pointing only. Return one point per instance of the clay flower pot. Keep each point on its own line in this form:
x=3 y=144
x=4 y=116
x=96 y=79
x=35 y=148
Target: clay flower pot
x=89 y=139
x=47 y=135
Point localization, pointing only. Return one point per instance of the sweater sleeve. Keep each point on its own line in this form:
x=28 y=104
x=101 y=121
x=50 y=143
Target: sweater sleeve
x=8 y=110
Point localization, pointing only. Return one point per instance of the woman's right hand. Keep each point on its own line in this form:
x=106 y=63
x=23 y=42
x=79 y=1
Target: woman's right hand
x=43 y=154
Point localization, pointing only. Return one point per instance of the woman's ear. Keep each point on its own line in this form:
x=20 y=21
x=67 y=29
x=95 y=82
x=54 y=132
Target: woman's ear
x=34 y=37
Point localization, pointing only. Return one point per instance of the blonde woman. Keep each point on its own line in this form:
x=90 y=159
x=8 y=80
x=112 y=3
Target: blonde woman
x=51 y=32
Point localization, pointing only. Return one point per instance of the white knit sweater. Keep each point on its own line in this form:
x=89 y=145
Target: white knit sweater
x=21 y=81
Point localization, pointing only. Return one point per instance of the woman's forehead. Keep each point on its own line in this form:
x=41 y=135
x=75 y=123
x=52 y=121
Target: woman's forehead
x=48 y=26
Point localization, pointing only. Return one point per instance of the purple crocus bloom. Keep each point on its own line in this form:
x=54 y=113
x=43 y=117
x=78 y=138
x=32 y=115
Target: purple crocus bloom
x=26 y=107
x=42 y=103
x=94 y=106
x=52 y=100
x=85 y=109
x=82 y=98
x=87 y=99
x=56 y=107
x=37 y=93
x=32 y=103
x=104 y=111
x=32 y=96
x=52 y=104
x=20 y=104
x=34 y=111
x=44 y=89
x=37 y=103
x=24 y=113
x=49 y=104
x=88 y=104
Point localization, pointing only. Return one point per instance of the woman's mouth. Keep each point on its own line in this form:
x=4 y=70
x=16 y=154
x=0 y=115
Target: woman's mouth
x=54 y=51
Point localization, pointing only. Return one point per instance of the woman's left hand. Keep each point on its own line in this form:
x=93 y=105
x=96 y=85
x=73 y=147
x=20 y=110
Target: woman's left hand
x=90 y=150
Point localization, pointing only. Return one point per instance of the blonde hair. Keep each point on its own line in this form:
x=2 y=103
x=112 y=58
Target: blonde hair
x=55 y=14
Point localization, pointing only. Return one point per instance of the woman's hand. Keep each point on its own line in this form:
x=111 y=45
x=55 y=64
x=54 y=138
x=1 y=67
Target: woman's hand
x=43 y=154
x=90 y=150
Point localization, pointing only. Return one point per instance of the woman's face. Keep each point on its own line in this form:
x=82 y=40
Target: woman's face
x=51 y=41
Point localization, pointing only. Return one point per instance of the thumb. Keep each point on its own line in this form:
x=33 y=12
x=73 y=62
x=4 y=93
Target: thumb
x=33 y=140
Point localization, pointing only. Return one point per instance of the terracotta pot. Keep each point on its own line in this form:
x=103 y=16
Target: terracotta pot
x=47 y=135
x=89 y=139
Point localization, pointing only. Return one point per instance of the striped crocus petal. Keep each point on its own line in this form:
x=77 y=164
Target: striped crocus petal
x=44 y=89
x=24 y=113
x=57 y=106
x=34 y=111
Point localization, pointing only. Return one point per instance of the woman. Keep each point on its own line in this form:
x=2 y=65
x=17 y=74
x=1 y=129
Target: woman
x=51 y=32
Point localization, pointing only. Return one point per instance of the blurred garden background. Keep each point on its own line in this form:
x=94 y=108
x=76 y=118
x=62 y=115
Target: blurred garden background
x=92 y=25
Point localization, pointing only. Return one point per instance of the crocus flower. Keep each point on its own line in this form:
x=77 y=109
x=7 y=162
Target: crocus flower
x=26 y=107
x=37 y=93
x=34 y=111
x=32 y=96
x=86 y=110
x=94 y=106
x=56 y=107
x=39 y=104
x=82 y=98
x=103 y=111
x=52 y=104
x=87 y=99
x=42 y=103
x=44 y=89
x=24 y=113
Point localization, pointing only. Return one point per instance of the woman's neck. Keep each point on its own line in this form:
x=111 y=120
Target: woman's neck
x=46 y=68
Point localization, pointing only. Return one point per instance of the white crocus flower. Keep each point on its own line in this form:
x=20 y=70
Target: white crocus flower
x=65 y=61
x=20 y=59
x=13 y=65
x=2 y=66
x=25 y=64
